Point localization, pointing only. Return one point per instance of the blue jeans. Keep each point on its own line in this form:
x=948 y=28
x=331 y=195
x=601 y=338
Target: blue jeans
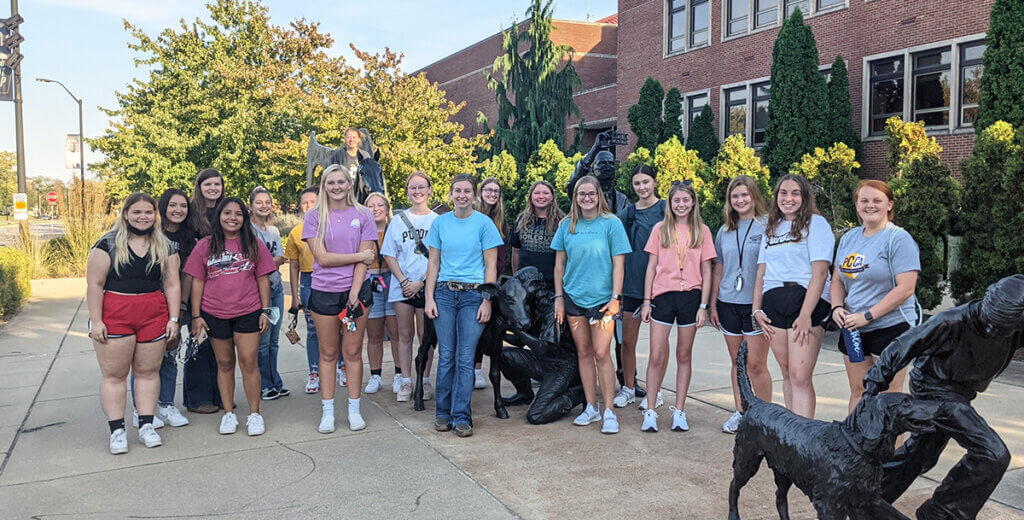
x=457 y=335
x=168 y=379
x=312 y=343
x=269 y=376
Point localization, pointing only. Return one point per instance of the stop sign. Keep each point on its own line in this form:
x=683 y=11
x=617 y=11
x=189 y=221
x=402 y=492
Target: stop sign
x=51 y=197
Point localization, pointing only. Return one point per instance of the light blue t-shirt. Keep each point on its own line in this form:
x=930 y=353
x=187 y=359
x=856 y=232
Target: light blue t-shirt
x=739 y=246
x=589 y=252
x=868 y=267
x=272 y=239
x=789 y=260
x=462 y=242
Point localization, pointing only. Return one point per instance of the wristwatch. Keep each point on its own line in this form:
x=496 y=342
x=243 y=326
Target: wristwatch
x=617 y=297
x=175 y=320
x=869 y=317
x=266 y=311
x=704 y=306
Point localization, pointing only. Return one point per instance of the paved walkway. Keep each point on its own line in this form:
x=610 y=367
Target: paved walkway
x=55 y=460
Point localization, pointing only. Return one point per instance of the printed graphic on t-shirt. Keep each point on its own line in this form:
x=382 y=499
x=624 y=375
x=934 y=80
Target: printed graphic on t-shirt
x=772 y=241
x=853 y=265
x=413 y=234
x=535 y=239
x=227 y=263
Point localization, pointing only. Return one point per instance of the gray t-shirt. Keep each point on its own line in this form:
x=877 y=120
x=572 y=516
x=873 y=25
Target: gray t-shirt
x=789 y=260
x=638 y=231
x=743 y=242
x=272 y=239
x=868 y=267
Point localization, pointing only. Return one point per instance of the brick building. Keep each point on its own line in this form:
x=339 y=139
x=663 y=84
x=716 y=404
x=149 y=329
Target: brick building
x=461 y=75
x=919 y=59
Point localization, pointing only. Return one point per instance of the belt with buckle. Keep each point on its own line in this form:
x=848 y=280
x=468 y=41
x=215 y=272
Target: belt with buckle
x=791 y=284
x=460 y=286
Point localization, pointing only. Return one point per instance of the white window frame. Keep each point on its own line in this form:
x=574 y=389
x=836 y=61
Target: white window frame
x=780 y=17
x=723 y=109
x=684 y=100
x=687 y=32
x=955 y=126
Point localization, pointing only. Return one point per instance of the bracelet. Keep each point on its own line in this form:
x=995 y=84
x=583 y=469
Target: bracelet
x=196 y=317
x=757 y=311
x=845 y=308
x=559 y=296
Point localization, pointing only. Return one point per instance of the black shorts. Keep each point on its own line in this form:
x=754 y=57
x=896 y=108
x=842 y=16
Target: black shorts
x=226 y=328
x=631 y=304
x=735 y=319
x=332 y=303
x=676 y=306
x=592 y=313
x=782 y=305
x=874 y=341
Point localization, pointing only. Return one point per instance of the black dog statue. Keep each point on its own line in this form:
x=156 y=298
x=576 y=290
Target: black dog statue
x=838 y=465
x=956 y=354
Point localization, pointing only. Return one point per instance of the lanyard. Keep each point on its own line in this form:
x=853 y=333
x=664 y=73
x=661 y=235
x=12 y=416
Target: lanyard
x=738 y=246
x=682 y=255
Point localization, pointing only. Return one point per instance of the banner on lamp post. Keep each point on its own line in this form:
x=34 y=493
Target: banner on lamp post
x=71 y=151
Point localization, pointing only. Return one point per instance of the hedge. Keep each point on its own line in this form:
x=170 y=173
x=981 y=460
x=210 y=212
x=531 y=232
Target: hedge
x=15 y=280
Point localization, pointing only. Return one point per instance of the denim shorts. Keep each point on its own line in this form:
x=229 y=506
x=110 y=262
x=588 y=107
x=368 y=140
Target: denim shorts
x=381 y=306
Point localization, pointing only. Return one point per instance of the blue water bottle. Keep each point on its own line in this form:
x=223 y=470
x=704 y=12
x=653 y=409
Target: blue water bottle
x=854 y=348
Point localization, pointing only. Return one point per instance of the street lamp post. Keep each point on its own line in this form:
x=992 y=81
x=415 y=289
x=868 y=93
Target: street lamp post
x=81 y=139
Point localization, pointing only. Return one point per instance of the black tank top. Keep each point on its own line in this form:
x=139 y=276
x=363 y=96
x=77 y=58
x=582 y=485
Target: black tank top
x=136 y=277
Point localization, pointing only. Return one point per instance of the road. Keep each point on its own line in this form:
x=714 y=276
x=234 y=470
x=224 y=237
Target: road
x=41 y=229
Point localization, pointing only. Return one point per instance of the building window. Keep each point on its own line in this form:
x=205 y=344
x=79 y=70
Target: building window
x=762 y=93
x=676 y=25
x=941 y=89
x=970 y=81
x=692 y=106
x=767 y=13
x=688 y=32
x=932 y=87
x=793 y=5
x=736 y=107
x=739 y=14
x=700 y=22
x=829 y=4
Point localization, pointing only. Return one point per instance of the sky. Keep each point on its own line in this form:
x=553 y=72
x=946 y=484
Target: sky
x=83 y=44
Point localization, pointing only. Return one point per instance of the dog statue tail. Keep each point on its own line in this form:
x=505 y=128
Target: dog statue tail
x=747 y=395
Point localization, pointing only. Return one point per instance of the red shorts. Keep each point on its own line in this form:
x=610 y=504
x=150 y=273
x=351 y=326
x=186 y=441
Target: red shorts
x=144 y=316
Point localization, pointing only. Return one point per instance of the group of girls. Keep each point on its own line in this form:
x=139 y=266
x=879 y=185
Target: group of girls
x=212 y=262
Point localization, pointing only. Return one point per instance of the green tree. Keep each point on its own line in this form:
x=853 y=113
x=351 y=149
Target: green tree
x=798 y=108
x=840 y=111
x=534 y=96
x=8 y=180
x=831 y=173
x=1002 y=84
x=702 y=137
x=992 y=214
x=734 y=158
x=674 y=162
x=672 y=124
x=644 y=117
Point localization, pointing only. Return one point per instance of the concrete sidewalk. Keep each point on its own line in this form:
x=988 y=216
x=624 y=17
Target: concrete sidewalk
x=55 y=460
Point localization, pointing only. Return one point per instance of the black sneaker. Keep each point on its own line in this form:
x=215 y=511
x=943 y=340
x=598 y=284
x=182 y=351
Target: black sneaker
x=270 y=394
x=284 y=392
x=463 y=430
x=442 y=424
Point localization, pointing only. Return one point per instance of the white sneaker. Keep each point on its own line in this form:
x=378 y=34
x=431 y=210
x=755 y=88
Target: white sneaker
x=313 y=383
x=396 y=385
x=650 y=421
x=679 y=420
x=326 y=423
x=157 y=423
x=254 y=424
x=170 y=415
x=428 y=391
x=624 y=397
x=342 y=376
x=733 y=423
x=373 y=385
x=228 y=423
x=657 y=403
x=355 y=420
x=149 y=436
x=589 y=415
x=405 y=392
x=478 y=379
x=611 y=422
x=119 y=442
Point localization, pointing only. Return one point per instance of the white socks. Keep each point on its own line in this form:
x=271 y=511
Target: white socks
x=328 y=406
x=353 y=405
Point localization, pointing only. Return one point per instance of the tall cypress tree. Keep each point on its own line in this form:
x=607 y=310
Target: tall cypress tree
x=840 y=111
x=673 y=116
x=798 y=108
x=1002 y=83
x=644 y=117
x=534 y=97
x=702 y=136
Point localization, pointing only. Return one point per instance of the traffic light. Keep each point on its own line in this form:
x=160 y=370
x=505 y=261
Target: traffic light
x=10 y=39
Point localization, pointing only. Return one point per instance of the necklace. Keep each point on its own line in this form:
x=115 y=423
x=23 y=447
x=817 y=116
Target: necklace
x=740 y=248
x=682 y=255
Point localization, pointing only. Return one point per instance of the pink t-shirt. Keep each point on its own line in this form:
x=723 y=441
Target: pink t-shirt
x=231 y=289
x=667 y=275
x=345 y=230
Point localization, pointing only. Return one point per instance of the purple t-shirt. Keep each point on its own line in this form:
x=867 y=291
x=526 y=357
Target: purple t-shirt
x=345 y=230
x=231 y=289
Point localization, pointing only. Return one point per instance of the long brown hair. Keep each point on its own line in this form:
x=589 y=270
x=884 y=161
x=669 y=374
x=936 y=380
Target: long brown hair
x=575 y=213
x=880 y=186
x=528 y=216
x=693 y=221
x=250 y=248
x=732 y=217
x=803 y=215
x=197 y=206
x=495 y=212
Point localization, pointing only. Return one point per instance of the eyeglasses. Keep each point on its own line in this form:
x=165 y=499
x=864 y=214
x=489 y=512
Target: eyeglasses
x=586 y=195
x=418 y=188
x=491 y=190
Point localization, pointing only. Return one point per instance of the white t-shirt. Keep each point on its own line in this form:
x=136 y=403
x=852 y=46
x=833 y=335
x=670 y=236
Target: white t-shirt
x=400 y=244
x=789 y=260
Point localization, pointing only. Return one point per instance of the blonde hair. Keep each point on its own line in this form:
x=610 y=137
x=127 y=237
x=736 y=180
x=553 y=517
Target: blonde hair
x=528 y=216
x=323 y=201
x=259 y=190
x=387 y=205
x=496 y=212
x=732 y=217
x=694 y=222
x=156 y=245
x=575 y=213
